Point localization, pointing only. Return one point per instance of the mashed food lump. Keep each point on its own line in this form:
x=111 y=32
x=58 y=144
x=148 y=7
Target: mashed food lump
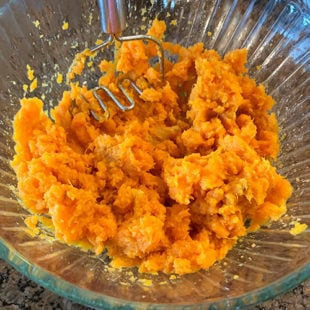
x=168 y=186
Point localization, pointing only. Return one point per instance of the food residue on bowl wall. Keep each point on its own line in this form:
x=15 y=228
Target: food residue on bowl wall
x=33 y=80
x=30 y=73
x=168 y=186
x=33 y=85
x=65 y=25
x=297 y=228
x=59 y=78
x=36 y=23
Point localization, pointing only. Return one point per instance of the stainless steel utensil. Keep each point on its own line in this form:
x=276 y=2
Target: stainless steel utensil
x=113 y=23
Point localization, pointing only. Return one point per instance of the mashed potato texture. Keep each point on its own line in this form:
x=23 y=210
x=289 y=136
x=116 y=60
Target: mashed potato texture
x=168 y=186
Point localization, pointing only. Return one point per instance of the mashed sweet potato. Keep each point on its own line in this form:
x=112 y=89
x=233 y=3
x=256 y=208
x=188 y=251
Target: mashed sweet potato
x=168 y=186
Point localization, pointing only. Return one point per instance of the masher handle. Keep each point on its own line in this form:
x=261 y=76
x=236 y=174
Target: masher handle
x=112 y=16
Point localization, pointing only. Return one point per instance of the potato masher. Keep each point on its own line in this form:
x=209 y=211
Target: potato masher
x=113 y=23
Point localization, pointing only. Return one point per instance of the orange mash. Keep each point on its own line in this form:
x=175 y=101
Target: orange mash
x=168 y=186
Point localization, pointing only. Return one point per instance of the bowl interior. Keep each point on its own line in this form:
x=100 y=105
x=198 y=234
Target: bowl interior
x=262 y=264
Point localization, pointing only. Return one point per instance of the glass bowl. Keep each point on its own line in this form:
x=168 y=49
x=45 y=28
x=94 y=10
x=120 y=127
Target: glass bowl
x=264 y=263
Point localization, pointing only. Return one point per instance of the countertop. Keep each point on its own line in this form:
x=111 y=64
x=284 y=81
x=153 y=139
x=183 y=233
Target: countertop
x=17 y=292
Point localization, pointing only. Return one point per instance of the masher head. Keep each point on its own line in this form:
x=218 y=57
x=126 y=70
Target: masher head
x=113 y=23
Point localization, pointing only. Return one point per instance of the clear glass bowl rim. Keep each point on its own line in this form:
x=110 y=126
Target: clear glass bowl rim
x=92 y=299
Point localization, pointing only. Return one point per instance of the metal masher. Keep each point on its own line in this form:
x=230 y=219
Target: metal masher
x=113 y=23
